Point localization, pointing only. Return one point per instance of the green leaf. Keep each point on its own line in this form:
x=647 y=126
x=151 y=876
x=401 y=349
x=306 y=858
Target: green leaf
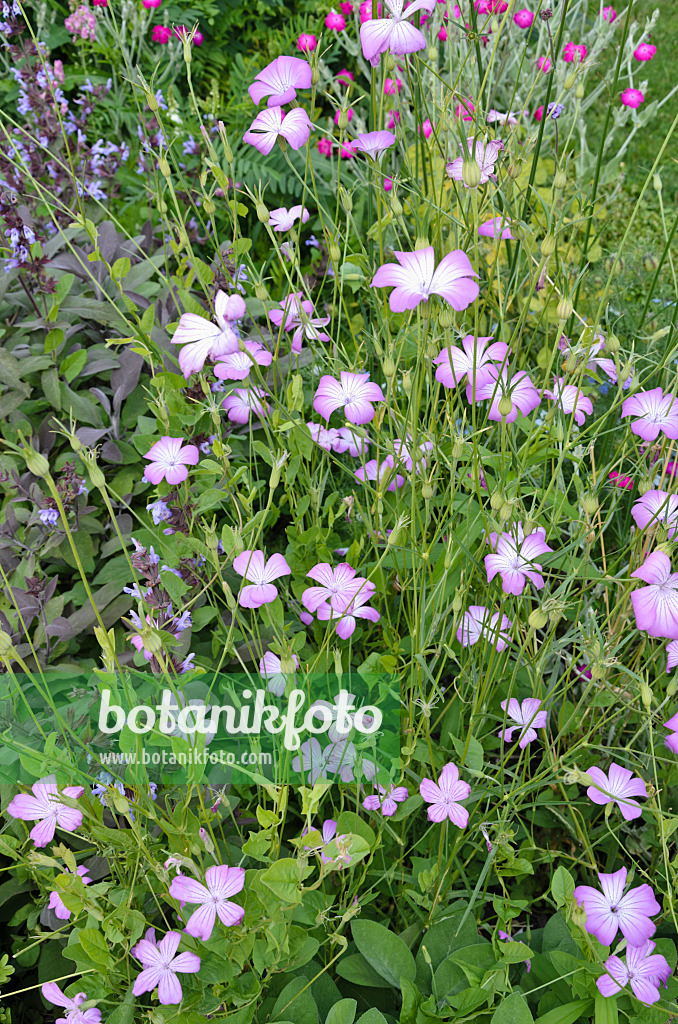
x=283 y=879
x=295 y=1004
x=371 y=1016
x=512 y=1010
x=342 y=1012
x=606 y=1010
x=568 y=1013
x=53 y=339
x=355 y=968
x=514 y=952
x=384 y=951
x=94 y=946
x=73 y=364
x=263 y=451
x=51 y=387
x=469 y=1000
x=562 y=887
x=475 y=960
x=124 y=1013
x=121 y=268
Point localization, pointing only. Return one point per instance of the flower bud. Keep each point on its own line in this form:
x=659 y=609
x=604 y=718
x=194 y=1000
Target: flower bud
x=660 y=334
x=672 y=687
x=644 y=486
x=515 y=169
x=164 y=167
x=529 y=526
x=263 y=214
x=396 y=206
x=446 y=317
x=560 y=180
x=335 y=253
x=457 y=602
x=287 y=665
x=388 y=366
x=6 y=645
x=496 y=500
x=646 y=695
x=36 y=463
x=505 y=512
x=407 y=382
x=389 y=62
x=346 y=200
x=425 y=311
x=589 y=504
x=565 y=308
x=151 y=640
x=470 y=173
x=505 y=405
x=626 y=371
x=598 y=670
x=656 y=183
x=95 y=474
x=208 y=206
x=206 y=841
x=458 y=447
x=548 y=246
x=431 y=349
x=570 y=80
x=342 y=120
x=228 y=594
x=261 y=291
x=537 y=618
x=315 y=75
x=427 y=490
x=612 y=343
x=433 y=54
x=570 y=364
x=559 y=432
x=580 y=91
x=421 y=243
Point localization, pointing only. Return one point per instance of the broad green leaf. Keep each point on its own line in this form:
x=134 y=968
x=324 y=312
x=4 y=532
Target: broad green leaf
x=342 y=1012
x=512 y=1010
x=357 y=970
x=384 y=951
x=284 y=879
x=606 y=1010
x=562 y=887
x=567 y=1014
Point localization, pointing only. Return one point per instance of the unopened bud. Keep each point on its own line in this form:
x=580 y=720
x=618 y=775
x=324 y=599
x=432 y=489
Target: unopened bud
x=396 y=206
x=457 y=602
x=346 y=200
x=580 y=92
x=537 y=618
x=421 y=242
x=425 y=311
x=644 y=486
x=151 y=640
x=560 y=180
x=470 y=173
x=335 y=253
x=388 y=367
x=646 y=695
x=36 y=463
x=315 y=75
x=496 y=500
x=570 y=363
x=228 y=594
x=548 y=246
x=598 y=670
x=208 y=206
x=151 y=102
x=589 y=504
x=672 y=687
x=505 y=405
x=389 y=62
x=458 y=447
x=626 y=372
x=515 y=169
x=570 y=80
x=206 y=841
x=505 y=512
x=565 y=308
x=446 y=317
x=342 y=120
x=660 y=334
x=263 y=214
x=6 y=645
x=433 y=54
x=164 y=167
x=656 y=183
x=427 y=490
x=612 y=343
x=287 y=665
x=95 y=474
x=261 y=291
x=407 y=382
x=559 y=432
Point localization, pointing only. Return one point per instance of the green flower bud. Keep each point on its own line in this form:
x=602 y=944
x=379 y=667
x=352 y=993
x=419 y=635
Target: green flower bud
x=96 y=476
x=427 y=490
x=164 y=167
x=345 y=198
x=228 y=594
x=656 y=183
x=626 y=371
x=537 y=619
x=342 y=120
x=433 y=54
x=287 y=665
x=263 y=214
x=388 y=366
x=458 y=447
x=208 y=206
x=470 y=173
x=598 y=670
x=560 y=180
x=335 y=253
x=570 y=364
x=505 y=512
x=315 y=75
x=505 y=405
x=565 y=308
x=6 y=645
x=548 y=246
x=425 y=310
x=36 y=463
x=580 y=91
x=457 y=602
x=261 y=291
x=496 y=500
x=421 y=242
x=644 y=486
x=389 y=62
x=396 y=206
x=612 y=343
x=515 y=169
x=646 y=695
x=589 y=504
x=407 y=382
x=570 y=80
x=446 y=317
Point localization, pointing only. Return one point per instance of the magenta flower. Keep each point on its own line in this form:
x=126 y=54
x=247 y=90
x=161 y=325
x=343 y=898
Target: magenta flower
x=609 y=14
x=485 y=155
x=643 y=971
x=453 y=364
x=396 y=34
x=494 y=384
x=573 y=50
x=280 y=80
x=378 y=471
x=496 y=227
x=374 y=144
x=524 y=18
x=657 y=507
x=514 y=561
x=479 y=622
x=386 y=800
x=307 y=42
x=57 y=904
x=544 y=64
x=632 y=98
x=252 y=566
x=161 y=34
x=296 y=314
x=338 y=586
x=220 y=883
x=354 y=392
x=612 y=910
x=161 y=966
x=671 y=740
x=528 y=718
x=271 y=124
x=656 y=606
x=347 y=613
x=655 y=411
x=406 y=456
x=445 y=796
x=645 y=51
x=46 y=808
x=571 y=399
x=335 y=22
x=618 y=787
x=74 y=1014
x=237 y=365
x=245 y=402
x=415 y=278
x=283 y=219
x=168 y=460
x=202 y=340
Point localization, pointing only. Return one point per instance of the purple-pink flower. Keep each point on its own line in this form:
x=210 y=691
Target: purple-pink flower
x=645 y=51
x=513 y=559
x=671 y=740
x=221 y=882
x=493 y=383
x=485 y=155
x=374 y=144
x=245 y=402
x=296 y=314
x=657 y=507
x=201 y=340
x=161 y=966
x=271 y=124
x=46 y=808
x=619 y=786
x=496 y=227
x=396 y=34
x=283 y=219
x=280 y=81
x=656 y=606
x=644 y=971
x=347 y=613
x=55 y=901
x=655 y=411
x=386 y=800
x=415 y=278
x=453 y=364
x=478 y=622
x=168 y=460
x=528 y=717
x=445 y=796
x=74 y=1015
x=379 y=471
x=612 y=910
x=237 y=365
x=354 y=392
x=338 y=586
x=571 y=399
x=259 y=573
x=632 y=98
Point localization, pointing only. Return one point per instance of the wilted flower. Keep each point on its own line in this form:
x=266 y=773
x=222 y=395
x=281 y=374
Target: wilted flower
x=74 y=1015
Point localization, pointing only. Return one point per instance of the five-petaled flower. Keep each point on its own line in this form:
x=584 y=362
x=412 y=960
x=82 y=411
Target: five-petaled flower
x=445 y=796
x=74 y=1015
x=201 y=340
x=478 y=622
x=656 y=606
x=415 y=278
x=514 y=558
x=528 y=716
x=347 y=613
x=493 y=383
x=454 y=364
x=386 y=800
x=612 y=909
x=169 y=459
x=280 y=80
x=271 y=124
x=483 y=154
x=338 y=586
x=259 y=573
x=221 y=882
x=354 y=392
x=283 y=219
x=394 y=34
x=570 y=398
x=644 y=971
x=619 y=786
x=161 y=966
x=46 y=808
x=655 y=411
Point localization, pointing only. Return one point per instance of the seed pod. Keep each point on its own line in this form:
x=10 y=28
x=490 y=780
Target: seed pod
x=315 y=75
x=427 y=490
x=263 y=214
x=407 y=382
x=565 y=308
x=580 y=92
x=164 y=167
x=537 y=618
x=36 y=463
x=457 y=602
x=548 y=245
x=644 y=486
x=656 y=183
x=505 y=405
x=570 y=80
x=612 y=343
x=342 y=120
x=95 y=475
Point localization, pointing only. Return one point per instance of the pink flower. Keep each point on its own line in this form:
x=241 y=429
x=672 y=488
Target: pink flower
x=306 y=42
x=296 y=314
x=485 y=156
x=656 y=606
x=337 y=586
x=325 y=147
x=514 y=561
x=387 y=801
x=442 y=34
x=394 y=34
x=347 y=150
x=528 y=718
x=655 y=411
x=645 y=51
x=657 y=507
x=632 y=97
x=406 y=456
x=326 y=437
x=198 y=38
x=347 y=613
x=617 y=787
x=354 y=393
x=161 y=34
x=393 y=119
x=454 y=364
x=57 y=904
x=168 y=460
x=346 y=8
x=496 y=227
x=570 y=398
x=245 y=402
x=625 y=482
x=643 y=971
x=445 y=796
x=283 y=219
x=335 y=22
x=391 y=87
x=74 y=1015
x=417 y=278
x=345 y=77
x=539 y=113
x=573 y=50
x=524 y=18
x=494 y=384
x=349 y=115
x=271 y=124
x=280 y=80
x=366 y=10
x=270 y=669
x=671 y=740
x=220 y=883
x=348 y=441
x=374 y=144
x=427 y=128
x=161 y=966
x=148 y=4
x=252 y=566
x=609 y=14
x=478 y=622
x=237 y=365
x=544 y=64
x=464 y=110
x=612 y=910
x=388 y=184
x=202 y=340
x=375 y=470
x=46 y=808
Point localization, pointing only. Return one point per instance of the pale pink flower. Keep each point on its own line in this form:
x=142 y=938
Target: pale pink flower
x=656 y=606
x=415 y=278
x=478 y=622
x=394 y=34
x=221 y=882
x=46 y=808
x=338 y=586
x=386 y=800
x=246 y=402
x=657 y=507
x=497 y=117
x=74 y=1015
x=283 y=219
x=655 y=411
x=354 y=393
x=485 y=155
x=169 y=458
x=618 y=787
x=528 y=717
x=346 y=615
x=643 y=971
x=570 y=398
x=270 y=669
x=161 y=966
x=326 y=437
x=55 y=901
x=237 y=365
x=611 y=910
x=260 y=573
x=514 y=561
x=202 y=340
x=296 y=314
x=348 y=441
x=374 y=144
x=407 y=457
x=496 y=227
x=493 y=383
x=270 y=125
x=445 y=796
x=454 y=364
x=379 y=471
x=280 y=81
